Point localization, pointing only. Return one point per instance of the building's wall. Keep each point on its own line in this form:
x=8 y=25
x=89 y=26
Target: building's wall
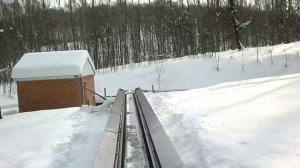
x=47 y=94
x=89 y=97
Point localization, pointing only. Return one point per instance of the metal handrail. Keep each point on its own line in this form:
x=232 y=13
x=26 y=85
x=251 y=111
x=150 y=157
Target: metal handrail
x=93 y=92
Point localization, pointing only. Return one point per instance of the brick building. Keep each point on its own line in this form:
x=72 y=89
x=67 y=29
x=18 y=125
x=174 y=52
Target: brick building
x=49 y=80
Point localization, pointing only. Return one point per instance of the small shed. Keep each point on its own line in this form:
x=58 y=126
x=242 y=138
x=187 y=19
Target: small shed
x=49 y=80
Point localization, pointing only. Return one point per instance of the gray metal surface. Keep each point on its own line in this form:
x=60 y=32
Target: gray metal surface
x=107 y=148
x=166 y=152
x=136 y=156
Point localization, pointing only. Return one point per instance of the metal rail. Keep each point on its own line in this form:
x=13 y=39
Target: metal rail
x=164 y=91
x=152 y=156
x=121 y=141
x=107 y=150
x=117 y=146
x=82 y=87
x=163 y=152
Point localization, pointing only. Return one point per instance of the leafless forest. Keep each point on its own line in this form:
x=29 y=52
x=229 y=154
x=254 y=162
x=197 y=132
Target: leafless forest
x=124 y=31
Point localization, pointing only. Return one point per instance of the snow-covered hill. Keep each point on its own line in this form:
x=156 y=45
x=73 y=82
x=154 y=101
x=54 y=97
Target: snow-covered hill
x=196 y=71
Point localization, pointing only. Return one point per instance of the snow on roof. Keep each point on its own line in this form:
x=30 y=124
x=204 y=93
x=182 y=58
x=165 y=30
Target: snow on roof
x=52 y=64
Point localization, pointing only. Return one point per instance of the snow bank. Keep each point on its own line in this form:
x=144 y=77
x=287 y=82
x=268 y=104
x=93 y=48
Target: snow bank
x=52 y=138
x=8 y=103
x=195 y=72
x=252 y=123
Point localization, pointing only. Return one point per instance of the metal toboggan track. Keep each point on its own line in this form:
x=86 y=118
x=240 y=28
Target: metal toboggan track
x=134 y=137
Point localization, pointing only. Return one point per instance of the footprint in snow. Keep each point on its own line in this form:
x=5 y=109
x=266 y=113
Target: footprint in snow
x=275 y=131
x=243 y=142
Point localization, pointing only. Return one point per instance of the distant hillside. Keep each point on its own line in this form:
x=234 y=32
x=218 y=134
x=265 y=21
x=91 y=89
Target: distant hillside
x=201 y=70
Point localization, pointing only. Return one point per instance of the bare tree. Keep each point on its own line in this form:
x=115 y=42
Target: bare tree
x=234 y=23
x=160 y=70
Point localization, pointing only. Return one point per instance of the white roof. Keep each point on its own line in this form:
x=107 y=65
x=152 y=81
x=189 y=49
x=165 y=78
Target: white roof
x=52 y=64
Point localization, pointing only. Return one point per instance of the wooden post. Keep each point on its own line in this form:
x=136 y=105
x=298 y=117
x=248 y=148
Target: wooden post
x=0 y=113
x=152 y=88
x=104 y=92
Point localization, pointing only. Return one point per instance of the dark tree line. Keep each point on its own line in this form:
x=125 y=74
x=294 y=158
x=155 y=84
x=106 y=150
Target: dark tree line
x=124 y=31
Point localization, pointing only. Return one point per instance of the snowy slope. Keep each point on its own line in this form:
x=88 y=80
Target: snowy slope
x=252 y=123
x=196 y=71
x=234 y=120
x=239 y=118
x=52 y=138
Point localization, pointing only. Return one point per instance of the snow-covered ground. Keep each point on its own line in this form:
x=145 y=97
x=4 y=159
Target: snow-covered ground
x=251 y=123
x=52 y=138
x=231 y=118
x=195 y=71
x=8 y=103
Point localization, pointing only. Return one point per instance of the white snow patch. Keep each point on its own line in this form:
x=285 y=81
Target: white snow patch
x=252 y=123
x=195 y=71
x=2 y=70
x=8 y=102
x=58 y=138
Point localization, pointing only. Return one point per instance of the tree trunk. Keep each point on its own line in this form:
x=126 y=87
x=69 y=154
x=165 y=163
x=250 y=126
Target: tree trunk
x=234 y=22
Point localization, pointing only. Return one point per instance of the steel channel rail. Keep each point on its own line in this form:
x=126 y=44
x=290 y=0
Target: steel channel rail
x=152 y=156
x=119 y=161
x=162 y=150
x=108 y=154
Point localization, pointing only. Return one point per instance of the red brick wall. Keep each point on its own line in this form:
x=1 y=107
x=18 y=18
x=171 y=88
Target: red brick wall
x=89 y=97
x=51 y=94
